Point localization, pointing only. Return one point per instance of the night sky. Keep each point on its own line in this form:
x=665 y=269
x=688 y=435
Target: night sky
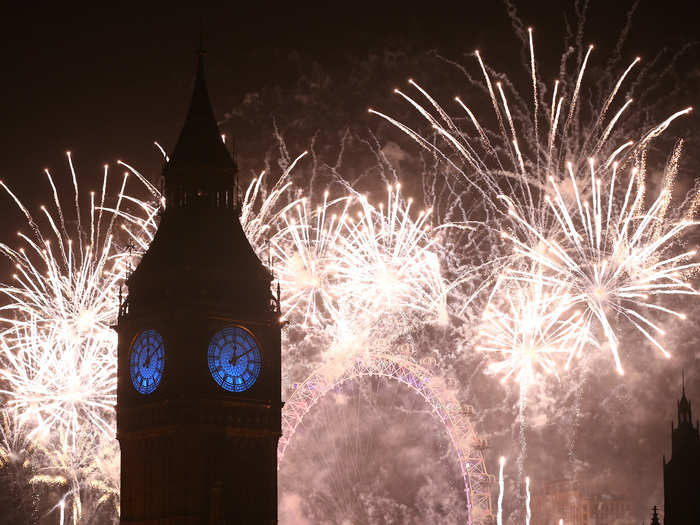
x=106 y=83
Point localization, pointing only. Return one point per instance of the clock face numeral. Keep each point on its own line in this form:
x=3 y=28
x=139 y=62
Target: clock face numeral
x=234 y=359
x=147 y=361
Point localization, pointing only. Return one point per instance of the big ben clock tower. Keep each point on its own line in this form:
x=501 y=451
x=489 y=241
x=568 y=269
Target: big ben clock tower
x=199 y=380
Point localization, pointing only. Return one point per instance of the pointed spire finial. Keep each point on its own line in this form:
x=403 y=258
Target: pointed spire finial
x=279 y=298
x=655 y=517
x=201 y=51
x=200 y=164
x=685 y=415
x=683 y=380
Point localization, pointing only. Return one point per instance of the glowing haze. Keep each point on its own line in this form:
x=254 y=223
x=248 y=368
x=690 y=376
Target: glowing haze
x=576 y=251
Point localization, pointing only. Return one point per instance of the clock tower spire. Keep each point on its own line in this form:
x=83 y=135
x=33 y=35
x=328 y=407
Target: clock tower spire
x=199 y=373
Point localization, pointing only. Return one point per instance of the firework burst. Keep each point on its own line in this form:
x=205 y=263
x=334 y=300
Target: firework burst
x=263 y=209
x=582 y=253
x=57 y=347
x=349 y=259
x=302 y=252
x=587 y=243
x=388 y=261
x=612 y=260
x=531 y=328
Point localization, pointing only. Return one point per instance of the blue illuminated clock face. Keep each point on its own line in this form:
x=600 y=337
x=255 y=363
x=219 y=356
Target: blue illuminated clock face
x=147 y=361
x=234 y=359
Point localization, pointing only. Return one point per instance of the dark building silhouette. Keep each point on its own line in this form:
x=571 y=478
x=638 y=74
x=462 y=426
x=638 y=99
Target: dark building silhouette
x=682 y=472
x=199 y=377
x=579 y=502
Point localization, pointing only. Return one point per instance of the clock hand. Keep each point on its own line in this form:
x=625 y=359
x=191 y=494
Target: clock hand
x=149 y=354
x=246 y=352
x=241 y=355
x=234 y=358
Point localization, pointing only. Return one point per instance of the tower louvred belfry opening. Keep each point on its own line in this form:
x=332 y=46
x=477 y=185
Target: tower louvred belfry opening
x=199 y=373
